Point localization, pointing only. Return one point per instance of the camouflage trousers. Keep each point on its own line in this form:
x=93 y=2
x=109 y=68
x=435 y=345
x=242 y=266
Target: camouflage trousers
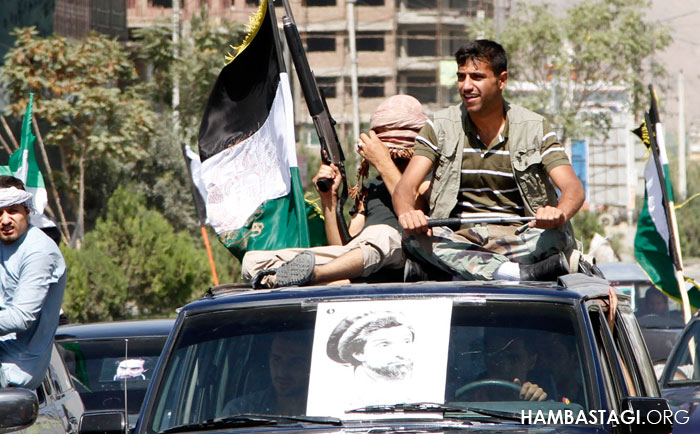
x=476 y=252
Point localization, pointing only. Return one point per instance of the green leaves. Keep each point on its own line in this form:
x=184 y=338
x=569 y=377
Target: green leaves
x=598 y=50
x=132 y=265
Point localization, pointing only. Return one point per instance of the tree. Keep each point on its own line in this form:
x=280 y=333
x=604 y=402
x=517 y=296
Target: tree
x=597 y=49
x=201 y=56
x=132 y=264
x=87 y=92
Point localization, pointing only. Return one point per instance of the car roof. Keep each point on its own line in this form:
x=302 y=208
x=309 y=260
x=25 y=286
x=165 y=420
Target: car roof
x=623 y=271
x=115 y=329
x=573 y=287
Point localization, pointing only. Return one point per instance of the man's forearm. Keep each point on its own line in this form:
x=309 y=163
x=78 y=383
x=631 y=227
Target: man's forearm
x=330 y=224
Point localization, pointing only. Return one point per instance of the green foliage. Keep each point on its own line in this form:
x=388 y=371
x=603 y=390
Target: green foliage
x=688 y=215
x=133 y=265
x=585 y=225
x=201 y=55
x=86 y=90
x=570 y=59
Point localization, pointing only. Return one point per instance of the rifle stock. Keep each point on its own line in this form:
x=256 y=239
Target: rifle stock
x=331 y=151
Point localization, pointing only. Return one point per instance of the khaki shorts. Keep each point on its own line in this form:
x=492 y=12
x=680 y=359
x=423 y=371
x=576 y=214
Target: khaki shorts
x=380 y=246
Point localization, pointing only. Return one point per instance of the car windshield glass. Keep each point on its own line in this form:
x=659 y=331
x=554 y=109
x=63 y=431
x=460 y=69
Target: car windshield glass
x=684 y=369
x=103 y=369
x=652 y=307
x=497 y=356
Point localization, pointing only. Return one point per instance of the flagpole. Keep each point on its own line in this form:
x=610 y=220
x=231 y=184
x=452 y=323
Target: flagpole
x=201 y=216
x=657 y=142
x=207 y=246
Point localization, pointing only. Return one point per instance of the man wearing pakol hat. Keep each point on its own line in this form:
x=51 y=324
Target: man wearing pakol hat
x=376 y=242
x=379 y=346
x=33 y=279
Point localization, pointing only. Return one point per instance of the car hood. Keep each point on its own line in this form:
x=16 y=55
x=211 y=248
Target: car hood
x=684 y=403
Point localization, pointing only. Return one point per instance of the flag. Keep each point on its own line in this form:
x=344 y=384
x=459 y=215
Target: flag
x=653 y=241
x=23 y=165
x=253 y=194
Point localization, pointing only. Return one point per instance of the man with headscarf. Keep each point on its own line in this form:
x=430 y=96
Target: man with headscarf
x=33 y=279
x=376 y=242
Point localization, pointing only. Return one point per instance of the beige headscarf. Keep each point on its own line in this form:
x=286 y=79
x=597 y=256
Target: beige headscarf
x=397 y=121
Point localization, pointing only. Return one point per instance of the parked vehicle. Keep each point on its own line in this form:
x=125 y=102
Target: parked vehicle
x=660 y=317
x=54 y=407
x=680 y=381
x=112 y=362
x=404 y=357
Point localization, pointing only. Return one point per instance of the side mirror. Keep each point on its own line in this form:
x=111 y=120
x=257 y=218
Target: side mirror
x=651 y=415
x=103 y=422
x=18 y=409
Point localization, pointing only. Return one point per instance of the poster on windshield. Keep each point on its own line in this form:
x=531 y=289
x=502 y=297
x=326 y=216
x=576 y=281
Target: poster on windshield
x=368 y=353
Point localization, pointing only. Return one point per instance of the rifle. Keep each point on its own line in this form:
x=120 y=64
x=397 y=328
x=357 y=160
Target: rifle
x=331 y=151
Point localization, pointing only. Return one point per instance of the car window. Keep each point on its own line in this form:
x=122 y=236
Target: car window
x=684 y=368
x=103 y=369
x=629 y=336
x=653 y=308
x=253 y=360
x=59 y=374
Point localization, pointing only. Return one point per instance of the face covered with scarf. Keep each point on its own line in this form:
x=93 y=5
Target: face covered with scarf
x=15 y=208
x=397 y=121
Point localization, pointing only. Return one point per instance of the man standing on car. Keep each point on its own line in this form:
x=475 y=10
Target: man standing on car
x=490 y=158
x=33 y=279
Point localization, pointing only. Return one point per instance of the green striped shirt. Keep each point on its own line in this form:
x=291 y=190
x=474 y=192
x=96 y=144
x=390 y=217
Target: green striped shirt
x=487 y=183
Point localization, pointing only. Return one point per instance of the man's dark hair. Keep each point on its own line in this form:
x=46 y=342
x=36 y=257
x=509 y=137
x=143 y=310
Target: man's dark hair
x=486 y=51
x=7 y=181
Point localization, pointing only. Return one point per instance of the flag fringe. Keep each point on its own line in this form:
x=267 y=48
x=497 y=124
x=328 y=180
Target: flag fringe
x=254 y=23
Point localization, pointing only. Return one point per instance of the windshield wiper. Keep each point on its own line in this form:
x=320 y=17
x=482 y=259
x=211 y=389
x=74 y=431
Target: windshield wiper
x=250 y=420
x=432 y=407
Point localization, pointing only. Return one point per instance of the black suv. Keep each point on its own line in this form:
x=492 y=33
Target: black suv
x=416 y=357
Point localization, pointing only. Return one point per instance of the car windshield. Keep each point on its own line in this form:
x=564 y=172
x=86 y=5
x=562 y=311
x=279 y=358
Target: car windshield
x=304 y=361
x=653 y=308
x=103 y=369
x=684 y=369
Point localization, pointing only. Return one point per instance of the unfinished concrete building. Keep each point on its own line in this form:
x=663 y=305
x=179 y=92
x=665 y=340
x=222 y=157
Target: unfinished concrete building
x=403 y=46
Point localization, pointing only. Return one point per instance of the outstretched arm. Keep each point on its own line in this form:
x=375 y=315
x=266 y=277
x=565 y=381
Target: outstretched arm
x=570 y=201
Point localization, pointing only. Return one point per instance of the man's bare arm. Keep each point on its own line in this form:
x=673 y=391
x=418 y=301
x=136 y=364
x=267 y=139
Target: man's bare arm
x=570 y=201
x=406 y=197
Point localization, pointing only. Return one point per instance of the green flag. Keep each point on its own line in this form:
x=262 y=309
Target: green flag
x=23 y=165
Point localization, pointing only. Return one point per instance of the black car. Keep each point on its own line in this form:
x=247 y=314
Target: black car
x=54 y=407
x=406 y=357
x=680 y=381
x=660 y=317
x=112 y=362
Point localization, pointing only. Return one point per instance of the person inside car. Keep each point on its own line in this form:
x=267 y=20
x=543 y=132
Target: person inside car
x=289 y=364
x=510 y=361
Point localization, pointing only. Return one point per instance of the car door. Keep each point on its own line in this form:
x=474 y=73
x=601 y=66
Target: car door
x=49 y=419
x=67 y=400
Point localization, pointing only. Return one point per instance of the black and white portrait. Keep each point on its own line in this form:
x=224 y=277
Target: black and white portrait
x=378 y=352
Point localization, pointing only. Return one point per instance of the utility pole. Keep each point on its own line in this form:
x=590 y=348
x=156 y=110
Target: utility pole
x=350 y=5
x=682 y=183
x=176 y=78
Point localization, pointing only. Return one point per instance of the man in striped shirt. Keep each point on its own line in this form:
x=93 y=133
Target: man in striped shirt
x=490 y=158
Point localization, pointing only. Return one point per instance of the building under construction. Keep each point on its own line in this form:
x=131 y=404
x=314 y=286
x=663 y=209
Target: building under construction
x=402 y=46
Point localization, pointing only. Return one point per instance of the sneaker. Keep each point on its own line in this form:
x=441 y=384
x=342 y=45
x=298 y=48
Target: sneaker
x=298 y=271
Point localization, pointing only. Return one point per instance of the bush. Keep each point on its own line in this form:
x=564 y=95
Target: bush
x=132 y=264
